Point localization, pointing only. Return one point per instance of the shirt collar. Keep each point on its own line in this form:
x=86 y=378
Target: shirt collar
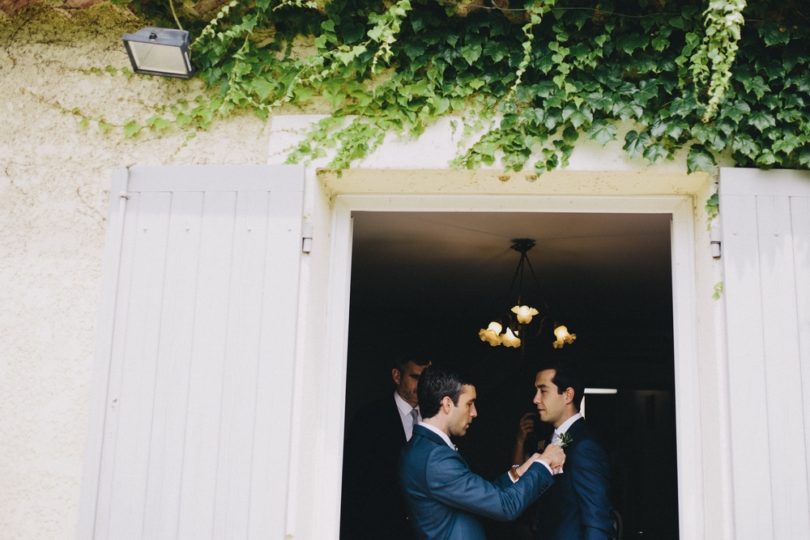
x=567 y=424
x=403 y=406
x=440 y=433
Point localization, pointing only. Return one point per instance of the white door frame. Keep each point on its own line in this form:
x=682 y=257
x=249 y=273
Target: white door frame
x=687 y=382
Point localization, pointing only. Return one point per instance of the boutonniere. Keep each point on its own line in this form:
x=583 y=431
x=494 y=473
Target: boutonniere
x=564 y=440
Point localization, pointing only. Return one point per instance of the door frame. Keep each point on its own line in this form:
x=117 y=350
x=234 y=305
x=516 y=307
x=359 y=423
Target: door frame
x=328 y=467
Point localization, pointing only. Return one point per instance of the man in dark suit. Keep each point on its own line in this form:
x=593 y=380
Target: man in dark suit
x=578 y=506
x=443 y=494
x=373 y=507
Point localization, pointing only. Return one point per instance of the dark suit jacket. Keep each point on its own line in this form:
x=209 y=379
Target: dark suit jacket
x=444 y=496
x=578 y=506
x=373 y=507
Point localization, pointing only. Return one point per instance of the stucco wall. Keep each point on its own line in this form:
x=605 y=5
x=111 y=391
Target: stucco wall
x=54 y=176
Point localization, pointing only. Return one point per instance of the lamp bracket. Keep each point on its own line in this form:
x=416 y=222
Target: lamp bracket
x=522 y=245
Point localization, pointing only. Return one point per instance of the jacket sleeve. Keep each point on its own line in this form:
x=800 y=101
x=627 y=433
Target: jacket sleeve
x=590 y=479
x=454 y=484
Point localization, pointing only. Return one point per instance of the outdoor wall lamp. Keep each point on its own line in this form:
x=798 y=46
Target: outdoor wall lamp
x=159 y=51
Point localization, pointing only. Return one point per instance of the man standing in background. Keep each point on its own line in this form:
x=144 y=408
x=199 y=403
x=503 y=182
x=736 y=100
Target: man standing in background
x=373 y=506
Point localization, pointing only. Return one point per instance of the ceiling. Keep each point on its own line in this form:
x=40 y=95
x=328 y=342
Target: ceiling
x=436 y=278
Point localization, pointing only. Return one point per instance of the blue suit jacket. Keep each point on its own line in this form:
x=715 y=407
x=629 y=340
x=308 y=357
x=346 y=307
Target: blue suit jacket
x=578 y=506
x=444 y=495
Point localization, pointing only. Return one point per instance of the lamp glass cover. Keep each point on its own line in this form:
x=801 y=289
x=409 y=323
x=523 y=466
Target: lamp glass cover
x=159 y=58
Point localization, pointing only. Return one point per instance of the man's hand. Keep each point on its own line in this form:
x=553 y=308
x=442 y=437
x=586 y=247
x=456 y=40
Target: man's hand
x=554 y=456
x=525 y=426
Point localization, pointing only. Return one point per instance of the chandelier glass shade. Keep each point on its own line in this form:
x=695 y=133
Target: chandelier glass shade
x=522 y=321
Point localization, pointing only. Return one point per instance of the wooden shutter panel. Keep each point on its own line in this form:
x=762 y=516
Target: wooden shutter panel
x=191 y=430
x=766 y=261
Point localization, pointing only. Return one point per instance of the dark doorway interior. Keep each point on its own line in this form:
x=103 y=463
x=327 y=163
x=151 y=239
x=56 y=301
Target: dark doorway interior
x=427 y=282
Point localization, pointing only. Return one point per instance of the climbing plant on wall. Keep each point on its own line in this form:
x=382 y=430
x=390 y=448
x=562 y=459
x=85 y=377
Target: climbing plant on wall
x=525 y=79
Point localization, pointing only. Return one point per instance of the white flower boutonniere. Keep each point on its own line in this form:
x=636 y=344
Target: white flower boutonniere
x=564 y=440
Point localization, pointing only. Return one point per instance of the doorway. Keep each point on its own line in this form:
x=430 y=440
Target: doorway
x=428 y=281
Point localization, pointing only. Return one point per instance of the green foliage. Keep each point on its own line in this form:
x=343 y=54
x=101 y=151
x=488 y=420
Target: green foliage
x=717 y=290
x=527 y=82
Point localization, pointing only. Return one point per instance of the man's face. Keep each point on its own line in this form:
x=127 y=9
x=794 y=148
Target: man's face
x=462 y=414
x=407 y=380
x=550 y=403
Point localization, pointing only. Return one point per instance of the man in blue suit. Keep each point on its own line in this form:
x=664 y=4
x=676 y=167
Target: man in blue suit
x=443 y=494
x=577 y=507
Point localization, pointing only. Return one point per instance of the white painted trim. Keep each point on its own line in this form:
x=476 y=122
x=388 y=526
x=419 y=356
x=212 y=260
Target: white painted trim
x=329 y=466
x=104 y=342
x=687 y=381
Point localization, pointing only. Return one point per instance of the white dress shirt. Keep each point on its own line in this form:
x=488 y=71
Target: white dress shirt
x=405 y=409
x=564 y=428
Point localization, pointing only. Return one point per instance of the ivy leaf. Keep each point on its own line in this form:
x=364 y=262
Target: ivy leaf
x=735 y=111
x=801 y=82
x=787 y=143
x=634 y=142
x=602 y=132
x=598 y=101
x=131 y=129
x=495 y=50
x=576 y=116
x=656 y=151
x=707 y=134
x=660 y=43
x=699 y=159
x=629 y=43
x=772 y=35
x=262 y=87
x=766 y=159
x=471 y=52
x=570 y=135
x=413 y=49
x=745 y=145
x=804 y=157
x=158 y=123
x=625 y=110
x=761 y=120
x=756 y=85
x=683 y=107
x=553 y=119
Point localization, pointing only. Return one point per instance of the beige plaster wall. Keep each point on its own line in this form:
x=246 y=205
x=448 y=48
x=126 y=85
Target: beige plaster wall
x=54 y=176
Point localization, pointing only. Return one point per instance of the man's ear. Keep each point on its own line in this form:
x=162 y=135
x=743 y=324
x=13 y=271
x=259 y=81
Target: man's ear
x=569 y=395
x=396 y=376
x=446 y=404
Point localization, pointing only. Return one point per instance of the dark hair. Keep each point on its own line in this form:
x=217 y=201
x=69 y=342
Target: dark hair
x=434 y=384
x=567 y=375
x=401 y=361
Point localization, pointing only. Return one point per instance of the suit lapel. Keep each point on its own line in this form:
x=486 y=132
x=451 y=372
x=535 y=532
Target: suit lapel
x=396 y=420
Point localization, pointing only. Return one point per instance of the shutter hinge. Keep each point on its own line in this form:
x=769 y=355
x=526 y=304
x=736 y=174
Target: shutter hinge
x=715 y=236
x=306 y=241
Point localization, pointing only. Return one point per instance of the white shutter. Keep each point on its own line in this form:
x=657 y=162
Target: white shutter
x=191 y=428
x=766 y=261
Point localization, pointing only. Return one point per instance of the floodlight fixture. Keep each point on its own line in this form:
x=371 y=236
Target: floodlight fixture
x=159 y=51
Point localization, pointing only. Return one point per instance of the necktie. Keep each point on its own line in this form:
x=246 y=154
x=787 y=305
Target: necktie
x=414 y=420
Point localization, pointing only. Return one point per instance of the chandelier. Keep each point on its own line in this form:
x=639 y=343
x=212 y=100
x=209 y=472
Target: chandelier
x=522 y=321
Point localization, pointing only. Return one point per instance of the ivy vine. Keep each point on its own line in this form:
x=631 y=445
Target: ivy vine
x=724 y=78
